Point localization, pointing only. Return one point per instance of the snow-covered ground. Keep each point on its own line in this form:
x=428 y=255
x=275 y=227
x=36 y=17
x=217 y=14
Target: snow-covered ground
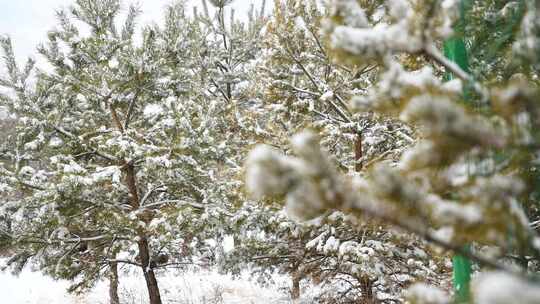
x=188 y=288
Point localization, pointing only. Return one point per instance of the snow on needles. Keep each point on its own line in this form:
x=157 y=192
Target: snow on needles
x=152 y=110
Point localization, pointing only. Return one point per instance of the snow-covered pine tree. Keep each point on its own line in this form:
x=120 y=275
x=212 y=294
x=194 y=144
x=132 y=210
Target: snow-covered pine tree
x=448 y=188
x=7 y=137
x=300 y=86
x=124 y=150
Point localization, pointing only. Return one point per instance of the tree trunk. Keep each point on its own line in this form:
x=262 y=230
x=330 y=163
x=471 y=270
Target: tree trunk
x=358 y=153
x=295 y=290
x=148 y=271
x=142 y=243
x=113 y=284
x=144 y=251
x=366 y=285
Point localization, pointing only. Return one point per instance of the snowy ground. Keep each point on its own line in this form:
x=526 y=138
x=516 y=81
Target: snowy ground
x=204 y=287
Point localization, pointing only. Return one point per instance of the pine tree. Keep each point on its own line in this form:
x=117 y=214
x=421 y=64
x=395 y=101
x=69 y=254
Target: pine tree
x=123 y=149
x=301 y=86
x=448 y=188
x=128 y=150
x=6 y=138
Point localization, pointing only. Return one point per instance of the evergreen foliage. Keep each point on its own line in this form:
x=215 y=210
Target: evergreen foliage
x=149 y=145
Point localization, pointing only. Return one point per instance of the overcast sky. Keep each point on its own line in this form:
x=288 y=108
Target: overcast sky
x=27 y=21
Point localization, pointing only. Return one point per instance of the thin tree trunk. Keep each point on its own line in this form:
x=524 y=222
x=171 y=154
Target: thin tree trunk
x=148 y=271
x=366 y=285
x=113 y=284
x=358 y=153
x=295 y=290
x=142 y=243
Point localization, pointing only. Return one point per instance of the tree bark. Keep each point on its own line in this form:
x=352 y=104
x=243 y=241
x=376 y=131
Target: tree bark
x=295 y=290
x=148 y=271
x=144 y=250
x=358 y=153
x=142 y=243
x=113 y=284
x=366 y=285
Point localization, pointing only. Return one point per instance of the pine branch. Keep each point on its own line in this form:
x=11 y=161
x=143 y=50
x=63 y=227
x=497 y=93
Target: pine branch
x=425 y=234
x=453 y=68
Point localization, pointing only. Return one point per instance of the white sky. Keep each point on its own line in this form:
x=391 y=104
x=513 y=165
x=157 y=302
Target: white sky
x=27 y=21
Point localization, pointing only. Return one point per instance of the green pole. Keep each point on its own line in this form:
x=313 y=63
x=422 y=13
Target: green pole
x=461 y=278
x=455 y=50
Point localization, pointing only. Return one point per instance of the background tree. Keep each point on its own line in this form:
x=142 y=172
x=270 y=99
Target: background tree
x=7 y=137
x=434 y=191
x=299 y=86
